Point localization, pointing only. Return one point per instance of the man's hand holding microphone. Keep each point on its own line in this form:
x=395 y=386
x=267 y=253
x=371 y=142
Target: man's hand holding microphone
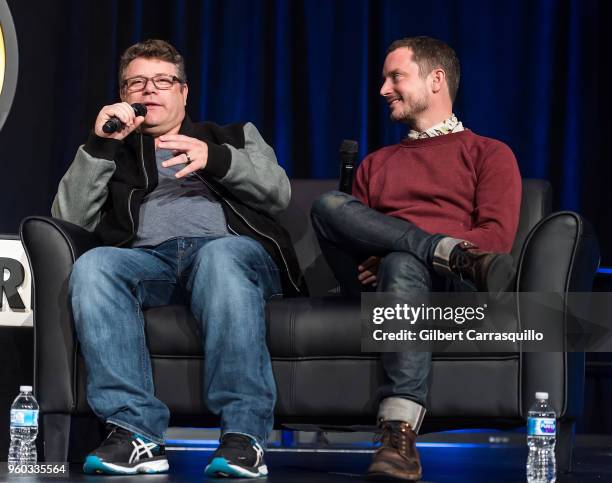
x=118 y=120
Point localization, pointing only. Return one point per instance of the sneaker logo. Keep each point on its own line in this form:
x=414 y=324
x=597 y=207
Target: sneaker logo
x=260 y=453
x=141 y=449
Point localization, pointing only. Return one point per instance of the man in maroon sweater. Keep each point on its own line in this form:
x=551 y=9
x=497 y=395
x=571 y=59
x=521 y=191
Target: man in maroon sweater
x=436 y=212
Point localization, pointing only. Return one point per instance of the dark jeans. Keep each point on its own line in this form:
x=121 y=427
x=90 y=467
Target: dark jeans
x=348 y=233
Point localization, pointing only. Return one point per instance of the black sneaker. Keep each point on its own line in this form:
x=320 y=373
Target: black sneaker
x=126 y=453
x=238 y=456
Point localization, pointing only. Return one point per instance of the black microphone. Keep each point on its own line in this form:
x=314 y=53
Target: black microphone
x=348 y=155
x=115 y=124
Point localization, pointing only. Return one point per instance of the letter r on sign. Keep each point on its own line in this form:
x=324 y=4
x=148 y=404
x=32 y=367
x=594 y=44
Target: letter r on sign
x=9 y=286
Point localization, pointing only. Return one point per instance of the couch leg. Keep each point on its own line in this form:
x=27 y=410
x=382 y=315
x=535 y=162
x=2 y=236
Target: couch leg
x=56 y=434
x=564 y=446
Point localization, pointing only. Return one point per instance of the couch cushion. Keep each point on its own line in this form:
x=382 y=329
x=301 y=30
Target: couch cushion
x=296 y=219
x=172 y=331
x=536 y=203
x=298 y=327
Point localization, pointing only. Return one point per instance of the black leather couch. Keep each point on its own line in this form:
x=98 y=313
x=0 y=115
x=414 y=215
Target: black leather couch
x=324 y=380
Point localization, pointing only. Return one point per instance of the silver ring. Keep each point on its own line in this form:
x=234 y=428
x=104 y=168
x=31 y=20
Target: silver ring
x=189 y=160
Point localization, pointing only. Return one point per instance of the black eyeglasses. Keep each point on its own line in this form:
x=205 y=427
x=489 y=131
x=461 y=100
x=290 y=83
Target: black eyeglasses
x=161 y=81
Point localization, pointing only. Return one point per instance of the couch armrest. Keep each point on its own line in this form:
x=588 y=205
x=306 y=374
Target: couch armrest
x=52 y=246
x=560 y=255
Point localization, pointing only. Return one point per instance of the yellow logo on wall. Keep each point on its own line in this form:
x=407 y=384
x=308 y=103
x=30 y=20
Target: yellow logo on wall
x=2 y=59
x=8 y=61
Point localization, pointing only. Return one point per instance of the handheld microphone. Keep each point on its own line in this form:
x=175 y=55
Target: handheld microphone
x=114 y=124
x=348 y=155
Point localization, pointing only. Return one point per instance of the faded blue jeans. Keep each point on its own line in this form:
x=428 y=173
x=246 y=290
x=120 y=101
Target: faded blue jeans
x=225 y=281
x=348 y=233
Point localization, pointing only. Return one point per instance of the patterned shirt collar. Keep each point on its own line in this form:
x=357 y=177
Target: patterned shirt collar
x=450 y=125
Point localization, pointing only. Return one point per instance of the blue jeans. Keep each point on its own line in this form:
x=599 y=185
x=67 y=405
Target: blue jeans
x=225 y=281
x=348 y=233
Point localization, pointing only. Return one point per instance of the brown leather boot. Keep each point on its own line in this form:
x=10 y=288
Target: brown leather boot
x=397 y=458
x=488 y=271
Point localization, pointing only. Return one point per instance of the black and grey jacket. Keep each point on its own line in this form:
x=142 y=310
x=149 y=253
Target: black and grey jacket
x=104 y=187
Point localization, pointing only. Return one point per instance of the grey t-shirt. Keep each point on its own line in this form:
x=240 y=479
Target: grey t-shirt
x=178 y=207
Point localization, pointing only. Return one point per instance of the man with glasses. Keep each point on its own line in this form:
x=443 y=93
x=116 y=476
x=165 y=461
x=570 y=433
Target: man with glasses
x=183 y=210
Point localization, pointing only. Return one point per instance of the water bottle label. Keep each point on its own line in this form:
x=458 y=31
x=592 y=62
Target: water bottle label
x=541 y=426
x=24 y=417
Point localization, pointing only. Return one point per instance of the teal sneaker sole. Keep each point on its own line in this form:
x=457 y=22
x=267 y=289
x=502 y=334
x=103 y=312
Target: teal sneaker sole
x=95 y=466
x=220 y=467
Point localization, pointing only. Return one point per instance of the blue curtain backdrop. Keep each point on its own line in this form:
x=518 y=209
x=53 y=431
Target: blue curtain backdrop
x=307 y=73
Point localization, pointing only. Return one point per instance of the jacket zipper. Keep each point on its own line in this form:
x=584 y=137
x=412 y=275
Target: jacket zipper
x=129 y=203
x=252 y=228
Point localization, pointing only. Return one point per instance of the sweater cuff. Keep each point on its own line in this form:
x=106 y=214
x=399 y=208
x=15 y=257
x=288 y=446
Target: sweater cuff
x=104 y=148
x=219 y=160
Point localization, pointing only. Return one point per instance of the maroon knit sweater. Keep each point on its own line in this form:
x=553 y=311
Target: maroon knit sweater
x=460 y=185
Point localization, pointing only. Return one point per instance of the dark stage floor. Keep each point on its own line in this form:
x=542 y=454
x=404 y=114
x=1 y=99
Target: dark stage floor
x=446 y=462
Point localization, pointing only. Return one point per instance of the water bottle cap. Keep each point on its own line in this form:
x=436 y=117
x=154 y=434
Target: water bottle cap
x=541 y=395
x=25 y=388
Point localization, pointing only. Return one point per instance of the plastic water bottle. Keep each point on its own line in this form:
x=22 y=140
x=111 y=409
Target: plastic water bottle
x=24 y=428
x=541 y=432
